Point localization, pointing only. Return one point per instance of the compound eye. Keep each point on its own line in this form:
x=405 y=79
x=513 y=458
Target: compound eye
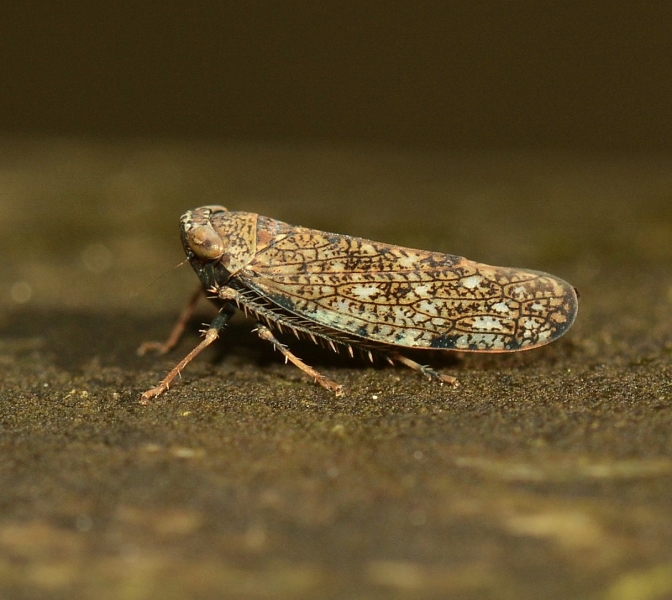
x=205 y=242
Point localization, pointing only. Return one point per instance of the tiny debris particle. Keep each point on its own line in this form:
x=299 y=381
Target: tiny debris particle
x=338 y=430
x=151 y=448
x=182 y=452
x=343 y=291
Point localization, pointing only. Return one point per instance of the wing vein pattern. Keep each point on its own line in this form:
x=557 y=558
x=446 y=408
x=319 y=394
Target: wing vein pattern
x=409 y=298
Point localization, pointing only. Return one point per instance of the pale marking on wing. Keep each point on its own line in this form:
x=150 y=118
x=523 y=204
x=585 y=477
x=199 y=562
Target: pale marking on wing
x=471 y=282
x=480 y=340
x=543 y=335
x=365 y=291
x=530 y=324
x=422 y=291
x=428 y=308
x=487 y=324
x=501 y=307
x=407 y=262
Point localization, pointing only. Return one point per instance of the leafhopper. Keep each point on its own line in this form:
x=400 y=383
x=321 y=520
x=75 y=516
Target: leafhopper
x=344 y=291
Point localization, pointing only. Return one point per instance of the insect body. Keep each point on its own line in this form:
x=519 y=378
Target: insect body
x=342 y=290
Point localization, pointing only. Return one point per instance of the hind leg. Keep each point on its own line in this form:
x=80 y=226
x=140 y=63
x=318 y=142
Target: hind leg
x=424 y=369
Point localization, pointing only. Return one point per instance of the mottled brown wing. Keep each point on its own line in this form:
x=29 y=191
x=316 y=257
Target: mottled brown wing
x=410 y=298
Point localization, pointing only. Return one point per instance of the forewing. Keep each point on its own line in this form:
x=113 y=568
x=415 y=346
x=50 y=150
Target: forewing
x=410 y=298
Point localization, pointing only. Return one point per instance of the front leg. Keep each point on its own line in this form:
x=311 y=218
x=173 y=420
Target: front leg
x=211 y=334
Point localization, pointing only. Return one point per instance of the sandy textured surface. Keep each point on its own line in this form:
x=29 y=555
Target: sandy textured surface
x=546 y=474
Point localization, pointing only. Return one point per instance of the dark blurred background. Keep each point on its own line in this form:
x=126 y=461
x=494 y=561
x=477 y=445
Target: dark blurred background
x=526 y=75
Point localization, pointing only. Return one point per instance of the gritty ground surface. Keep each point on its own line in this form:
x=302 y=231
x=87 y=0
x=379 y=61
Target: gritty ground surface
x=546 y=474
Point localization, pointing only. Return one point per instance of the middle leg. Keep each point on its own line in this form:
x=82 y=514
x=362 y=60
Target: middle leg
x=265 y=334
